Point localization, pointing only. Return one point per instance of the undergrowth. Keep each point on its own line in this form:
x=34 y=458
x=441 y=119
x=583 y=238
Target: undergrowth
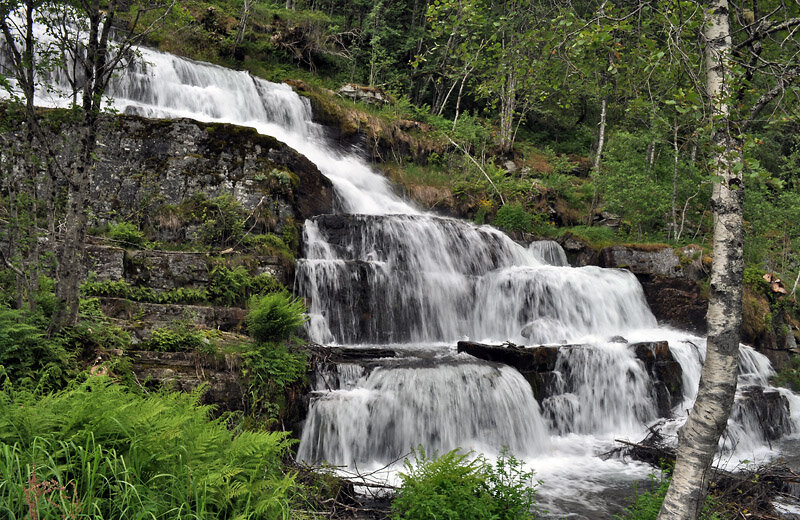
x=100 y=451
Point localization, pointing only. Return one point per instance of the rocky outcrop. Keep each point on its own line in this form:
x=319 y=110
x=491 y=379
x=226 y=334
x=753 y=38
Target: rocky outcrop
x=538 y=366
x=670 y=279
x=144 y=164
x=141 y=318
x=579 y=252
x=185 y=371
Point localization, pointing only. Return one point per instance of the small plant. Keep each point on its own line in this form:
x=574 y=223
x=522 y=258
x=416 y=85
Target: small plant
x=234 y=286
x=275 y=317
x=458 y=486
x=221 y=220
x=179 y=336
x=513 y=217
x=269 y=369
x=127 y=234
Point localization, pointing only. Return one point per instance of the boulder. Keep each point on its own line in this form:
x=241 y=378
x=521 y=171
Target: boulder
x=371 y=95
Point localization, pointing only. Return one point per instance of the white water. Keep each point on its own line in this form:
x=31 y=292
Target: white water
x=425 y=282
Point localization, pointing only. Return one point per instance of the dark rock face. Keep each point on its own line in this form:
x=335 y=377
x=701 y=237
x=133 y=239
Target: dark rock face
x=769 y=409
x=665 y=371
x=141 y=318
x=579 y=253
x=538 y=364
x=186 y=371
x=669 y=278
x=144 y=164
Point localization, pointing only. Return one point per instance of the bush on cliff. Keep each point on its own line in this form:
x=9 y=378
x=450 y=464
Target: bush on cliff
x=274 y=317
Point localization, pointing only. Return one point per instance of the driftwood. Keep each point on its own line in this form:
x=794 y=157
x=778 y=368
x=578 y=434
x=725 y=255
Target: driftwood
x=336 y=497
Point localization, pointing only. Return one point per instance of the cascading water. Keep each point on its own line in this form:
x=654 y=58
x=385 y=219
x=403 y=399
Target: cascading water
x=386 y=273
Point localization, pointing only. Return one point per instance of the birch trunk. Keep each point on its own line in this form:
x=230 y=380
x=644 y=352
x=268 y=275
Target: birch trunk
x=601 y=137
x=699 y=437
x=675 y=157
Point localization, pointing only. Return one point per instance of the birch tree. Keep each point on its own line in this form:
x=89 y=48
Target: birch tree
x=732 y=70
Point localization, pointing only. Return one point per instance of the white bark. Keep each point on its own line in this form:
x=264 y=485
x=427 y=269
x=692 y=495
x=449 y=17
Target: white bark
x=674 y=223
x=601 y=137
x=699 y=437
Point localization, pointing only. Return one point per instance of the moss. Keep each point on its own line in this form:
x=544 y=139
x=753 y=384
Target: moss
x=755 y=315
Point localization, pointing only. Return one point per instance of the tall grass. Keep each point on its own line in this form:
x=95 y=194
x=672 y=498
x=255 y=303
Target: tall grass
x=98 y=451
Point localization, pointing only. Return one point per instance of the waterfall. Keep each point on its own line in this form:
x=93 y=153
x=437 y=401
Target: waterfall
x=384 y=272
x=549 y=252
x=411 y=403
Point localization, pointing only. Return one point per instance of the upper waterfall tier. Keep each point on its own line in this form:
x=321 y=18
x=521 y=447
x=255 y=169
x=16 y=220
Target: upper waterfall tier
x=414 y=279
x=160 y=85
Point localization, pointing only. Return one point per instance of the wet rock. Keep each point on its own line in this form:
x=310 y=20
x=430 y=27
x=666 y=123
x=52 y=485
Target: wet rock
x=769 y=409
x=670 y=279
x=665 y=371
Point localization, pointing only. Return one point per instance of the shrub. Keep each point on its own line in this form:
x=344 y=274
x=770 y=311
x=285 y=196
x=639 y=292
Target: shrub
x=178 y=337
x=456 y=486
x=269 y=369
x=127 y=233
x=513 y=217
x=222 y=220
x=275 y=316
x=235 y=286
x=27 y=356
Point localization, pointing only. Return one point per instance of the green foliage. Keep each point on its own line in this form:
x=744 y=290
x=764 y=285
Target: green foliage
x=269 y=370
x=753 y=278
x=598 y=236
x=221 y=220
x=789 y=376
x=455 y=486
x=27 y=356
x=127 y=234
x=513 y=217
x=628 y=189
x=226 y=287
x=179 y=336
x=101 y=451
x=269 y=244
x=121 y=289
x=235 y=286
x=274 y=317
x=93 y=332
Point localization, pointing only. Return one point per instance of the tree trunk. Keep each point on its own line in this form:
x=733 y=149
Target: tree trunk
x=601 y=137
x=699 y=437
x=674 y=223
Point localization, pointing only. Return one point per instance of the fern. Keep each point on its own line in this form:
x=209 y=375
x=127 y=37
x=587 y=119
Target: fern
x=129 y=456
